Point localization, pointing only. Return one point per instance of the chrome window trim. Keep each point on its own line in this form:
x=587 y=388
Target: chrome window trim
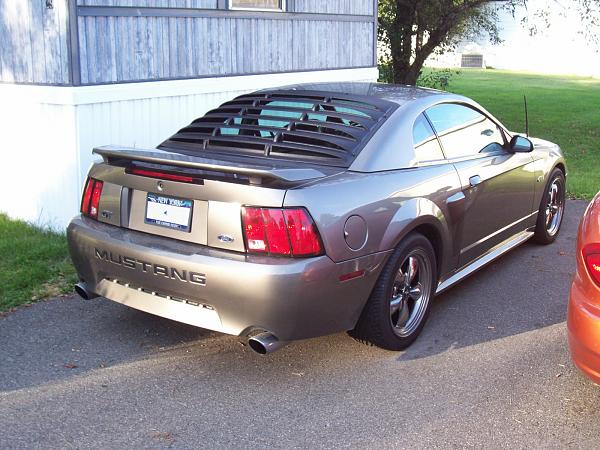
x=477 y=156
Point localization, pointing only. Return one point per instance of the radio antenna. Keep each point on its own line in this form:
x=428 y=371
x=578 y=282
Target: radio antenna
x=526 y=117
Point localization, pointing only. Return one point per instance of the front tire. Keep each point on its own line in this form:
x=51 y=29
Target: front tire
x=399 y=305
x=552 y=209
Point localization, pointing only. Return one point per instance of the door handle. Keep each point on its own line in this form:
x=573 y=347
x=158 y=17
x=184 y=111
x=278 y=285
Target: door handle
x=487 y=132
x=474 y=180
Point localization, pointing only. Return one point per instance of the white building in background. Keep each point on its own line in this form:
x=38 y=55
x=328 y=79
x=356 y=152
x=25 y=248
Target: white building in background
x=560 y=48
x=76 y=74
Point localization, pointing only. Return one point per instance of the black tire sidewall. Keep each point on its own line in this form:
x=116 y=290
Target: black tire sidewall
x=378 y=330
x=541 y=232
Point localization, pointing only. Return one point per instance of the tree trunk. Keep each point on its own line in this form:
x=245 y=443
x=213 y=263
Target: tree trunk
x=401 y=45
x=406 y=67
x=404 y=71
x=406 y=74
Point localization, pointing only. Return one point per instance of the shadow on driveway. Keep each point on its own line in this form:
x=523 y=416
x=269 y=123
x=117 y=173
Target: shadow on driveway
x=61 y=338
x=524 y=290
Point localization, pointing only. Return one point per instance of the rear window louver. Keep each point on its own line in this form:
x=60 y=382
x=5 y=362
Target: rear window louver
x=292 y=125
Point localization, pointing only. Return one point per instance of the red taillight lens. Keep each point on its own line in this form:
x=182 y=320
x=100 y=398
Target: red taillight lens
x=94 y=204
x=591 y=256
x=87 y=196
x=285 y=232
x=304 y=237
x=91 y=197
x=279 y=243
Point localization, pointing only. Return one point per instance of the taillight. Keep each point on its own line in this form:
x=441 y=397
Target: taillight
x=254 y=230
x=591 y=256
x=283 y=232
x=87 y=196
x=91 y=197
x=277 y=235
x=303 y=233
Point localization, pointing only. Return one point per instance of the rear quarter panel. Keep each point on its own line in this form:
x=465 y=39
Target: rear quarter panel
x=392 y=203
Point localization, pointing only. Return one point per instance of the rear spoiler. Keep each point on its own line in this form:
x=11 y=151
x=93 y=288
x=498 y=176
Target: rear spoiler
x=113 y=153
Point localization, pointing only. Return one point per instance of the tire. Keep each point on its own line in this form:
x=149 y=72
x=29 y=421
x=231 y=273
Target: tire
x=552 y=209
x=383 y=325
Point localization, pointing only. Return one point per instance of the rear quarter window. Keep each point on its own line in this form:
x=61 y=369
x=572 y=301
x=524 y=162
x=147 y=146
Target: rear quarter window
x=427 y=147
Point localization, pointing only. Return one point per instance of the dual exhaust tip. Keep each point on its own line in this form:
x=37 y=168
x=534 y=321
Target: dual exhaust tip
x=82 y=289
x=262 y=343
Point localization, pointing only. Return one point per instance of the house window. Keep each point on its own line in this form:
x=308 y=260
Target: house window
x=269 y=5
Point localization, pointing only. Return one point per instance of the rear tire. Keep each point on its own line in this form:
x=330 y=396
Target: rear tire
x=552 y=209
x=399 y=305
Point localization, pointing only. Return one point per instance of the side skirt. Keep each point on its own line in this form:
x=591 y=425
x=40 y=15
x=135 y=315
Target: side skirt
x=491 y=255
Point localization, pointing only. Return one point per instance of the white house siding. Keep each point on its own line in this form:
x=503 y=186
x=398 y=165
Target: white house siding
x=49 y=132
x=39 y=164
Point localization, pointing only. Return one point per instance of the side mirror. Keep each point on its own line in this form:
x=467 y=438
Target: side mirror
x=520 y=144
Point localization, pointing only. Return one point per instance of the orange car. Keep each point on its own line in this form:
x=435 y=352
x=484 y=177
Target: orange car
x=584 y=302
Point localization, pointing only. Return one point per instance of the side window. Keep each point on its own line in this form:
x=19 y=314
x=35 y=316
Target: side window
x=464 y=131
x=427 y=147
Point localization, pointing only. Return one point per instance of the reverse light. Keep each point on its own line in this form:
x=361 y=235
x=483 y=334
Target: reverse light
x=254 y=230
x=90 y=202
x=591 y=257
x=283 y=232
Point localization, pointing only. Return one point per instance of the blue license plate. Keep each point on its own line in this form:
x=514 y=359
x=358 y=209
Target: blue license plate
x=174 y=213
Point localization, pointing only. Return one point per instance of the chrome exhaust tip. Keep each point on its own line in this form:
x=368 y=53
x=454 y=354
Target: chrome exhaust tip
x=82 y=289
x=264 y=343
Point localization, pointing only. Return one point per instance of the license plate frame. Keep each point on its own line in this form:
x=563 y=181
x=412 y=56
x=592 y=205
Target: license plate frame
x=169 y=212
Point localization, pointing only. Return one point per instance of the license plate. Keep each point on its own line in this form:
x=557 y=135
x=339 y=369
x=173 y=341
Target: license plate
x=169 y=212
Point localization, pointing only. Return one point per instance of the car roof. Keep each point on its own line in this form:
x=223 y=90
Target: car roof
x=397 y=93
x=300 y=124
x=362 y=126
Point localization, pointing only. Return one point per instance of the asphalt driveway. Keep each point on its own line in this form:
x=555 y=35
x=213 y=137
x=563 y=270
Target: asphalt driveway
x=491 y=369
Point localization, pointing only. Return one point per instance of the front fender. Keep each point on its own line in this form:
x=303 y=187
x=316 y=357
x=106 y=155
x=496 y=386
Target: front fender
x=547 y=157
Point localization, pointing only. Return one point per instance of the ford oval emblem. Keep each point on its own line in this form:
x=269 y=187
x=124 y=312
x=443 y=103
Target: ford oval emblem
x=225 y=238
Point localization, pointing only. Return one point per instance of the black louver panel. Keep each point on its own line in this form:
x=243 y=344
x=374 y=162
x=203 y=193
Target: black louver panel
x=296 y=125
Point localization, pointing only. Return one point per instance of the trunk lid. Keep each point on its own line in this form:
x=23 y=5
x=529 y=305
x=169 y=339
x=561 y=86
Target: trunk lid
x=191 y=198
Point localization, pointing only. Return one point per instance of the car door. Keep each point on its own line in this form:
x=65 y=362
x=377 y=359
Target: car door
x=498 y=185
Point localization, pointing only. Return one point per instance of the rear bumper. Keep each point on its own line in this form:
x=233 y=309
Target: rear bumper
x=219 y=290
x=583 y=321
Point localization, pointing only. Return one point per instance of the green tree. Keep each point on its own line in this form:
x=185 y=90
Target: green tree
x=412 y=30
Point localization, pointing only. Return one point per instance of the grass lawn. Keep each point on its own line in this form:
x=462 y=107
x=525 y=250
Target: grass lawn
x=562 y=109
x=34 y=264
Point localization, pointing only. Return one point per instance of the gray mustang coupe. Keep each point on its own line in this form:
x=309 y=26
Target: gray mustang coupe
x=301 y=211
